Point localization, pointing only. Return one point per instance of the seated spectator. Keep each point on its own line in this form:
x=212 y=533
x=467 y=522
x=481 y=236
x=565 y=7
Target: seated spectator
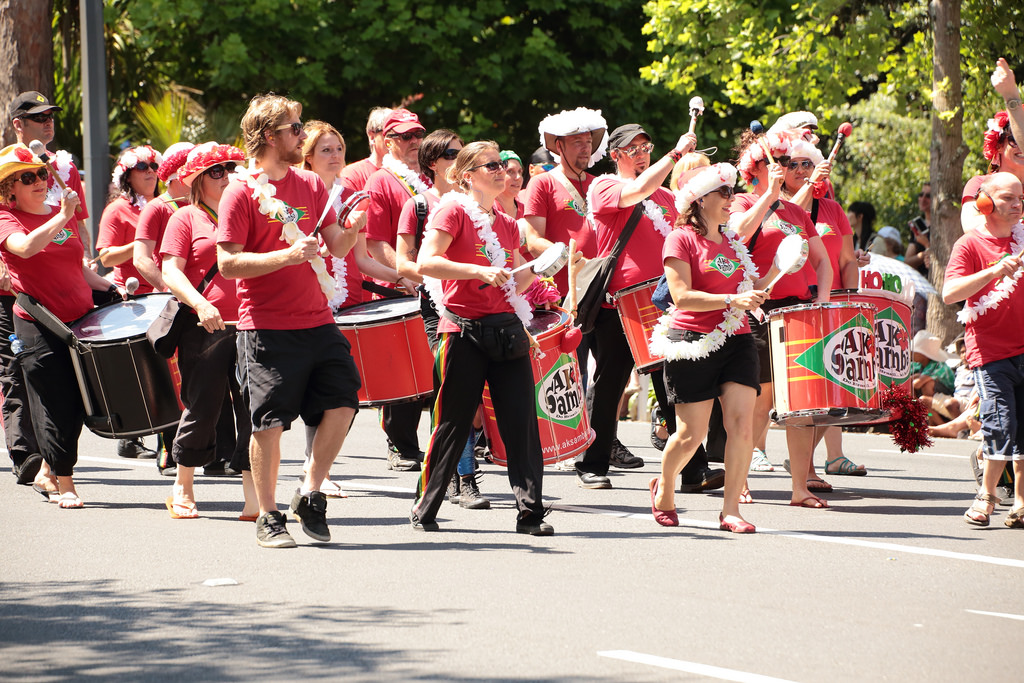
x=931 y=374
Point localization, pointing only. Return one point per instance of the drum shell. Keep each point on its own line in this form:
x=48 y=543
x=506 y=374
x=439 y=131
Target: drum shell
x=558 y=398
x=893 y=324
x=823 y=364
x=390 y=349
x=639 y=316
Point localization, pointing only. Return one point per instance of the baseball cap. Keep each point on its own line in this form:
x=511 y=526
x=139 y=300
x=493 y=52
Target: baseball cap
x=402 y=121
x=622 y=135
x=30 y=102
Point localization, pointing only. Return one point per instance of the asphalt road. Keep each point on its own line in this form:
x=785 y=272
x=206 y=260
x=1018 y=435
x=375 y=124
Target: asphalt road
x=889 y=584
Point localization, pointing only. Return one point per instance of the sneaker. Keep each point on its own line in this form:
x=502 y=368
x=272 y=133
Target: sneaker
x=402 y=463
x=534 y=525
x=220 y=468
x=622 y=458
x=589 y=480
x=567 y=465
x=311 y=511
x=134 y=448
x=470 y=497
x=760 y=462
x=419 y=525
x=656 y=424
x=454 y=489
x=26 y=471
x=710 y=479
x=976 y=466
x=271 y=531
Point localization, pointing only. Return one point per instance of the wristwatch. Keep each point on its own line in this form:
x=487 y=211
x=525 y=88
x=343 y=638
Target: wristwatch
x=1012 y=104
x=728 y=300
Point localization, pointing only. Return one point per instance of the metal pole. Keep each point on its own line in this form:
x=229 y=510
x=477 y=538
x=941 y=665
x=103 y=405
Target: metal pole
x=95 y=129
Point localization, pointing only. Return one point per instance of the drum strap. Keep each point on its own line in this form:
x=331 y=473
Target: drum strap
x=420 y=202
x=558 y=174
x=753 y=240
x=815 y=205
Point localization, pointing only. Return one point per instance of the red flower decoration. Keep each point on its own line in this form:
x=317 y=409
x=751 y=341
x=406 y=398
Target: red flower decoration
x=23 y=155
x=992 y=137
x=909 y=427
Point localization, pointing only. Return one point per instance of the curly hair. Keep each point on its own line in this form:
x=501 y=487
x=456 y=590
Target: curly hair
x=265 y=112
x=7 y=190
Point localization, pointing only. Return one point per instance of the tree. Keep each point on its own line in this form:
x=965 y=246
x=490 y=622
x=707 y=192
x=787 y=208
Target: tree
x=26 y=56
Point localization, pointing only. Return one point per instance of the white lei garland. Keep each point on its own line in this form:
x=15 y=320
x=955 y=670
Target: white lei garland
x=263 y=192
x=493 y=249
x=732 y=319
x=339 y=267
x=1002 y=290
x=651 y=209
x=61 y=164
x=410 y=177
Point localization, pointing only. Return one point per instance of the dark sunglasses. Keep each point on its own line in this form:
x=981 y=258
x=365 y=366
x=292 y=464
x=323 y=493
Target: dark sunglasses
x=32 y=177
x=405 y=137
x=142 y=166
x=493 y=166
x=794 y=165
x=726 y=191
x=1010 y=141
x=39 y=118
x=296 y=128
x=925 y=195
x=217 y=172
x=449 y=154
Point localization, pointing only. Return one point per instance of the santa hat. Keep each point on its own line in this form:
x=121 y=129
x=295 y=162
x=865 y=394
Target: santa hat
x=702 y=181
x=174 y=157
x=206 y=156
x=794 y=119
x=579 y=120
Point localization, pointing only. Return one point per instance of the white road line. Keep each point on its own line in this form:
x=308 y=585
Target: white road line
x=1018 y=617
x=145 y=462
x=690 y=667
x=934 y=455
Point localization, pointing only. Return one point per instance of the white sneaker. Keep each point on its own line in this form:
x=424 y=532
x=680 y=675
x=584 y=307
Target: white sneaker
x=760 y=462
x=567 y=465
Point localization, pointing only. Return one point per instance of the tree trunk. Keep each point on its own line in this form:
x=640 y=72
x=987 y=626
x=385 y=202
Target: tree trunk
x=26 y=54
x=948 y=153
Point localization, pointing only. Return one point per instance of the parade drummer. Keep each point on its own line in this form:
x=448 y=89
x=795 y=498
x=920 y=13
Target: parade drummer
x=44 y=255
x=293 y=360
x=153 y=218
x=206 y=350
x=706 y=340
x=482 y=337
x=611 y=201
x=985 y=268
x=764 y=220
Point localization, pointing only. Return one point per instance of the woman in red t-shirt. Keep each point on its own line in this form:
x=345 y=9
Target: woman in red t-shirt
x=706 y=342
x=43 y=252
x=135 y=180
x=482 y=336
x=206 y=350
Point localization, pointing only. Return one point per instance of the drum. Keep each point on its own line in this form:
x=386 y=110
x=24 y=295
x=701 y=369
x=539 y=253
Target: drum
x=126 y=387
x=823 y=364
x=892 y=333
x=390 y=348
x=558 y=395
x=639 y=316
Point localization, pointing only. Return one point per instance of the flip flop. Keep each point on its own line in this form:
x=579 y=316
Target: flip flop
x=248 y=518
x=50 y=495
x=846 y=467
x=332 y=490
x=819 y=486
x=745 y=496
x=181 y=510
x=69 y=501
x=822 y=504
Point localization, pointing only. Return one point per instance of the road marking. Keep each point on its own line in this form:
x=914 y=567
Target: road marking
x=690 y=667
x=1018 y=617
x=934 y=455
x=145 y=462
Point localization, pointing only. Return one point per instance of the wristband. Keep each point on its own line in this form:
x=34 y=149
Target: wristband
x=676 y=155
x=112 y=289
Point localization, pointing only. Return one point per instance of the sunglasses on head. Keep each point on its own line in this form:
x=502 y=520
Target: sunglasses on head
x=405 y=137
x=39 y=118
x=296 y=128
x=794 y=165
x=143 y=166
x=492 y=166
x=449 y=154
x=32 y=177
x=631 y=152
x=217 y=172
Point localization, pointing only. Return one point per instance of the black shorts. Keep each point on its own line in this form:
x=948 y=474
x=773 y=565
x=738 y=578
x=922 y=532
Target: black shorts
x=286 y=374
x=693 y=381
x=760 y=332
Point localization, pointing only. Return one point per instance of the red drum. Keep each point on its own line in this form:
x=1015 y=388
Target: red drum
x=558 y=395
x=127 y=389
x=823 y=364
x=390 y=348
x=893 y=320
x=639 y=316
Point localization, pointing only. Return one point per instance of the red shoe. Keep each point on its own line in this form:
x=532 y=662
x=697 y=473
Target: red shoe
x=740 y=527
x=662 y=517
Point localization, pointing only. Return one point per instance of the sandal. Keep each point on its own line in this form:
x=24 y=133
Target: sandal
x=846 y=467
x=181 y=510
x=981 y=516
x=818 y=503
x=52 y=495
x=1015 y=520
x=745 y=496
x=330 y=489
x=819 y=486
x=69 y=501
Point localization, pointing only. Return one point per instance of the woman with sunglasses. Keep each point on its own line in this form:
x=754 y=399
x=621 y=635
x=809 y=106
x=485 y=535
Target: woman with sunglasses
x=482 y=336
x=43 y=252
x=206 y=351
x=1003 y=154
x=135 y=180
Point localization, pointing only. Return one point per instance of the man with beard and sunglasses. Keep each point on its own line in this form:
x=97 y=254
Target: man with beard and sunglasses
x=292 y=359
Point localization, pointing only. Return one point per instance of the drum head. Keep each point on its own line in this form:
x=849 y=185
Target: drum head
x=552 y=260
x=377 y=311
x=792 y=254
x=122 y=320
x=545 y=320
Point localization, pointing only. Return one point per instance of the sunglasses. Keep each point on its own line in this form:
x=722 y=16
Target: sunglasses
x=449 y=154
x=39 y=118
x=547 y=167
x=794 y=165
x=637 y=149
x=492 y=166
x=726 y=191
x=925 y=195
x=217 y=172
x=32 y=177
x=296 y=128
x=143 y=166
x=405 y=137
x=1010 y=141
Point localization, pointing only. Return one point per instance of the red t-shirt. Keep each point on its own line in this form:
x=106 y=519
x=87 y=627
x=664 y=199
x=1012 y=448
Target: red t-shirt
x=714 y=268
x=548 y=199
x=641 y=258
x=388 y=194
x=465 y=298
x=289 y=298
x=354 y=294
x=970 y=192
x=54 y=275
x=153 y=220
x=191 y=234
x=790 y=219
x=520 y=208
x=356 y=174
x=997 y=334
x=833 y=227
x=117 y=228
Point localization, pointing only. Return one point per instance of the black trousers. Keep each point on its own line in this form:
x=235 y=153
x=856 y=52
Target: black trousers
x=55 y=401
x=463 y=368
x=17 y=417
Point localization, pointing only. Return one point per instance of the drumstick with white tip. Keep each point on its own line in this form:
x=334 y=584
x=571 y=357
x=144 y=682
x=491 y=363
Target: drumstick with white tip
x=758 y=129
x=572 y=278
x=40 y=151
x=696 y=110
x=131 y=285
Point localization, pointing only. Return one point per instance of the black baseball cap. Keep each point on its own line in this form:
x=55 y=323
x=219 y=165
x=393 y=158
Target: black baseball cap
x=541 y=156
x=622 y=135
x=30 y=102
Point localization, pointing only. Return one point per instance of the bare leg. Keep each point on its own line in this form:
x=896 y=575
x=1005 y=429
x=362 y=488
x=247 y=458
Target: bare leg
x=737 y=410
x=691 y=428
x=801 y=444
x=330 y=435
x=251 y=507
x=66 y=485
x=184 y=481
x=265 y=459
x=1018 y=488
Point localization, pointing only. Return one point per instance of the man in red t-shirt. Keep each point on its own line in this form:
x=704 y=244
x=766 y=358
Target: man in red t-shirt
x=355 y=175
x=293 y=360
x=984 y=268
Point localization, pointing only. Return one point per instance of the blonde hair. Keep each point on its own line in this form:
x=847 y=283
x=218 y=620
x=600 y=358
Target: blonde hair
x=467 y=159
x=314 y=131
x=687 y=162
x=265 y=112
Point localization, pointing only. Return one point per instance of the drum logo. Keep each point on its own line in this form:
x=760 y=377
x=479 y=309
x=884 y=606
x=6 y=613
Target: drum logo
x=560 y=393
x=723 y=265
x=892 y=350
x=845 y=357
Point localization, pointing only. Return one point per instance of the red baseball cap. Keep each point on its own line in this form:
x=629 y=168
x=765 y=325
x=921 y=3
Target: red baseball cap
x=402 y=121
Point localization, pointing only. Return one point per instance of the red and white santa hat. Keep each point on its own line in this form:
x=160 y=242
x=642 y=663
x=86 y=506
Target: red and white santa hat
x=174 y=157
x=206 y=156
x=702 y=181
x=131 y=157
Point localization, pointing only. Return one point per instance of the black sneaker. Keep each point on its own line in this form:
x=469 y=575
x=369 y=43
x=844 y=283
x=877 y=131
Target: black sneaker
x=622 y=458
x=220 y=468
x=311 y=511
x=454 y=489
x=134 y=448
x=271 y=531
x=589 y=480
x=710 y=479
x=402 y=463
x=419 y=525
x=656 y=424
x=470 y=497
x=165 y=464
x=26 y=471
x=534 y=525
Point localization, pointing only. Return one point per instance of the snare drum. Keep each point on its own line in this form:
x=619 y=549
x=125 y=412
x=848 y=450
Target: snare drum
x=558 y=395
x=639 y=316
x=823 y=364
x=390 y=348
x=127 y=388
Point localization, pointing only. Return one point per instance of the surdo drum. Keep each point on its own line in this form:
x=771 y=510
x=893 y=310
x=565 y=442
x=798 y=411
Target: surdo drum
x=639 y=317
x=892 y=333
